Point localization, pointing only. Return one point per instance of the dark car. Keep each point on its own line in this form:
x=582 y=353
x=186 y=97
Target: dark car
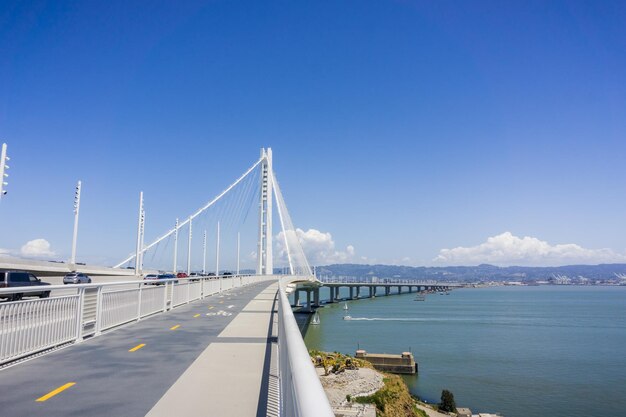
x=11 y=279
x=227 y=274
x=167 y=276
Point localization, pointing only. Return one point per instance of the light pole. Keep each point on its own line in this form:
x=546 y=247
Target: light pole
x=189 y=249
x=204 y=254
x=238 y=250
x=139 y=234
x=217 y=252
x=3 y=168
x=76 y=212
x=175 y=248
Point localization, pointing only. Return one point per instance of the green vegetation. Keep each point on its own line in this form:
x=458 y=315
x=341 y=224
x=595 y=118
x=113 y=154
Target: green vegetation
x=392 y=400
x=334 y=363
x=447 y=402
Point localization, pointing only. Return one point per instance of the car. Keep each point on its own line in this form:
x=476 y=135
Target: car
x=181 y=275
x=227 y=274
x=9 y=279
x=76 y=278
x=151 y=277
x=167 y=276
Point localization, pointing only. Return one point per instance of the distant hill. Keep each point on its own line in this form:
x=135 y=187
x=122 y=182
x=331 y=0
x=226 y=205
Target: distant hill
x=483 y=272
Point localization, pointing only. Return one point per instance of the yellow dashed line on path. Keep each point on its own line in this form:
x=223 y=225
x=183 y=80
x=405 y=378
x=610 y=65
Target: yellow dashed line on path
x=55 y=392
x=210 y=307
x=197 y=315
x=175 y=327
x=137 y=347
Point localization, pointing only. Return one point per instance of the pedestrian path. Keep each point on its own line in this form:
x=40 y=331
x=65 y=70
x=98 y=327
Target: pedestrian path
x=231 y=377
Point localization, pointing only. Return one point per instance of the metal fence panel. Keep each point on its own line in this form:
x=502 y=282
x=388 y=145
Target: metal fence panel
x=30 y=326
x=179 y=294
x=119 y=307
x=152 y=300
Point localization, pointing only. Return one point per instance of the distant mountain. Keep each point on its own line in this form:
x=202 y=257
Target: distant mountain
x=484 y=272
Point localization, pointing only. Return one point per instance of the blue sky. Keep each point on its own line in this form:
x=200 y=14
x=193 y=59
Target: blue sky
x=400 y=128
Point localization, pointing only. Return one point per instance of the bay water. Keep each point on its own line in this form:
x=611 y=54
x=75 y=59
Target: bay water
x=520 y=351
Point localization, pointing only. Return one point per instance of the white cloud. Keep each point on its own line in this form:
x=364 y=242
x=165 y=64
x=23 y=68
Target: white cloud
x=507 y=249
x=319 y=248
x=37 y=248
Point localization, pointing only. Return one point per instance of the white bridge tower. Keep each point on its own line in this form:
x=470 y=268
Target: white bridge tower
x=265 y=264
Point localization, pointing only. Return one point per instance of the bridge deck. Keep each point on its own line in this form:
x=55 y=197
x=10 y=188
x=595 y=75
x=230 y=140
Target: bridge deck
x=217 y=362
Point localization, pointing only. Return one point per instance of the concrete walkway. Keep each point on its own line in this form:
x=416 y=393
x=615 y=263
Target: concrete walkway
x=214 y=357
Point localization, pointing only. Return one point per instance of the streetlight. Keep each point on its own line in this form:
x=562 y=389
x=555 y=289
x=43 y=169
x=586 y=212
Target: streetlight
x=3 y=167
x=76 y=211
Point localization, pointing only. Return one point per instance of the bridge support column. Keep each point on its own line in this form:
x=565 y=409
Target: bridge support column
x=296 y=298
x=308 y=301
x=373 y=291
x=387 y=290
x=316 y=297
x=351 y=292
x=358 y=291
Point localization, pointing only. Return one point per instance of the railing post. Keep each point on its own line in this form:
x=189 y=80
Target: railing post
x=139 y=303
x=188 y=291
x=172 y=295
x=79 y=319
x=99 y=312
x=165 y=298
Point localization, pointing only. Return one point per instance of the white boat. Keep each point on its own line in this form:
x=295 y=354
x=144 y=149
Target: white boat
x=316 y=319
x=345 y=306
x=347 y=318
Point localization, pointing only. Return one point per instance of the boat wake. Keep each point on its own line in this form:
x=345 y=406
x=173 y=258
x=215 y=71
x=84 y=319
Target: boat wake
x=394 y=319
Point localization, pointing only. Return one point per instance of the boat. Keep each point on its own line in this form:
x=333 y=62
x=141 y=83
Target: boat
x=345 y=306
x=420 y=297
x=347 y=317
x=447 y=292
x=316 y=319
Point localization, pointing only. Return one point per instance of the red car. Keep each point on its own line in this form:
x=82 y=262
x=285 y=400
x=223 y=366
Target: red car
x=181 y=275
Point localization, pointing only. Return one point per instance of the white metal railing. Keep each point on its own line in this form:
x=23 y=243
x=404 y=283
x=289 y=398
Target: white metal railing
x=31 y=326
x=301 y=392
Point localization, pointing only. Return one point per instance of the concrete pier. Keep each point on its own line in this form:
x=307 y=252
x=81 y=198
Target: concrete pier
x=396 y=364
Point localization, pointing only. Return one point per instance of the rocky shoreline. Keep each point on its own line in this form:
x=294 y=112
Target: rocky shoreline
x=355 y=388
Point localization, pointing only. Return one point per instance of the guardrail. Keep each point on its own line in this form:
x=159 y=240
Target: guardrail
x=301 y=392
x=31 y=326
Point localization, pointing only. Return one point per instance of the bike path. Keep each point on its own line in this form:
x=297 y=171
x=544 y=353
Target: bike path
x=128 y=371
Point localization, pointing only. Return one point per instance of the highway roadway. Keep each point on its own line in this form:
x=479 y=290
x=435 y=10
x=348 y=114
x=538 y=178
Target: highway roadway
x=127 y=371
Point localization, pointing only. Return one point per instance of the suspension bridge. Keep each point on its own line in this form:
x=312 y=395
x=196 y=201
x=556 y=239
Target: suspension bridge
x=216 y=343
